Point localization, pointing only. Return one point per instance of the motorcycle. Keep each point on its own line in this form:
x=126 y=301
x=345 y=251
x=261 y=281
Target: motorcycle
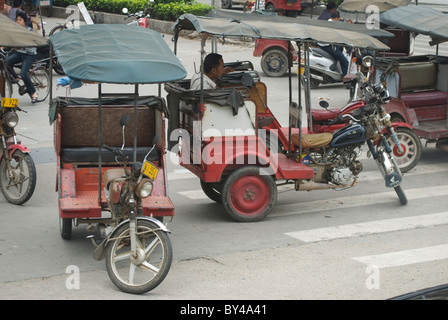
x=324 y=68
x=140 y=16
x=405 y=144
x=137 y=242
x=17 y=170
x=333 y=155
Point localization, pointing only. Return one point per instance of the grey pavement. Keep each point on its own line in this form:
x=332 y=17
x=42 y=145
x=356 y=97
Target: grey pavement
x=265 y=273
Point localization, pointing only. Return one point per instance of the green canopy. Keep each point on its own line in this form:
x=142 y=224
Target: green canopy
x=116 y=53
x=14 y=35
x=301 y=20
x=236 y=28
x=419 y=19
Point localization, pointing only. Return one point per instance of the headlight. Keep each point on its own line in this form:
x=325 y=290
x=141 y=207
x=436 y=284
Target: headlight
x=144 y=188
x=11 y=119
x=367 y=61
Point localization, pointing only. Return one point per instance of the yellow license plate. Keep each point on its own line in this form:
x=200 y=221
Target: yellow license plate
x=150 y=170
x=10 y=102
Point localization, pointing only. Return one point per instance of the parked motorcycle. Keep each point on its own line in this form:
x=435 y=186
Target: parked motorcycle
x=138 y=242
x=17 y=170
x=324 y=68
x=333 y=156
x=405 y=144
x=141 y=17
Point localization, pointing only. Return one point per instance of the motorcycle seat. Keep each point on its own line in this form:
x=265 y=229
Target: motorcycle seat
x=324 y=115
x=322 y=53
x=316 y=140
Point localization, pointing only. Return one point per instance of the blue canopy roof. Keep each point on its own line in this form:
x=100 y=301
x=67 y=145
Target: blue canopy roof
x=115 y=53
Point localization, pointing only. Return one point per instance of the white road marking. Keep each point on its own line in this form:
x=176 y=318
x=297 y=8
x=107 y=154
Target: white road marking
x=371 y=227
x=406 y=257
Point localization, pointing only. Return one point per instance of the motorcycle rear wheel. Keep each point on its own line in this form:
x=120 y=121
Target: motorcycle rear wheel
x=19 y=188
x=143 y=273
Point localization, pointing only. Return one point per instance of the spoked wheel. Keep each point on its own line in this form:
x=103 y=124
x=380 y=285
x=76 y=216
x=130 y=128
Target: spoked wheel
x=248 y=195
x=412 y=149
x=18 y=187
x=41 y=81
x=145 y=271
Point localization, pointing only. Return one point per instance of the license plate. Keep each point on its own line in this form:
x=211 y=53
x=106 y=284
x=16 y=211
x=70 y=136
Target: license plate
x=10 y=102
x=150 y=170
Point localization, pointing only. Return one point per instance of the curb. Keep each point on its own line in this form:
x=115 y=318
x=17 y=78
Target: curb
x=109 y=18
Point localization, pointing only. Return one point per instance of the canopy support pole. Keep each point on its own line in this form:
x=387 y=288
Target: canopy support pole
x=100 y=140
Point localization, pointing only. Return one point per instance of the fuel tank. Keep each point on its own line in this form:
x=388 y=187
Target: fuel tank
x=352 y=134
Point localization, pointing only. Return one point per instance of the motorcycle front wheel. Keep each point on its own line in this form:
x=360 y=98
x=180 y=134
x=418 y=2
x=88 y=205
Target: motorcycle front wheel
x=18 y=187
x=145 y=271
x=411 y=149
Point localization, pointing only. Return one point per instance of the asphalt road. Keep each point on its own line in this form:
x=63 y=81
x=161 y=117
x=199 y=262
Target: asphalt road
x=353 y=244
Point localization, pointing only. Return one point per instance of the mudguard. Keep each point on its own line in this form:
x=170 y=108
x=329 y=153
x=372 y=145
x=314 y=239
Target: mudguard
x=99 y=252
x=12 y=148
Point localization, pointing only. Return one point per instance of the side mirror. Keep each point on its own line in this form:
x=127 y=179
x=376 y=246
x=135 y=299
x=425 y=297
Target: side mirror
x=124 y=121
x=323 y=104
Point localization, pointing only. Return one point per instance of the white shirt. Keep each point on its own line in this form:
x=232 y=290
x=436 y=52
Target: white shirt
x=195 y=82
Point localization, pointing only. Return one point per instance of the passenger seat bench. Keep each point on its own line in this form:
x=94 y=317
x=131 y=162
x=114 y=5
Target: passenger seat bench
x=418 y=83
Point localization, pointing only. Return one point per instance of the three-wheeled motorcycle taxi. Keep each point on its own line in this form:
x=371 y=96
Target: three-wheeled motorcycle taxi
x=418 y=85
x=232 y=141
x=111 y=166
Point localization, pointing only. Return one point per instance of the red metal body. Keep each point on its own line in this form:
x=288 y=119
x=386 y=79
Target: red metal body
x=285 y=7
x=420 y=95
x=77 y=180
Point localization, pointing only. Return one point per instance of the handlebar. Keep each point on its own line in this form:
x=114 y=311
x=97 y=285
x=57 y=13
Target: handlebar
x=116 y=151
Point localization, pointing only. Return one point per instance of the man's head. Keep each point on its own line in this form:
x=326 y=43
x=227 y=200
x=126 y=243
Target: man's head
x=213 y=66
x=17 y=3
x=331 y=6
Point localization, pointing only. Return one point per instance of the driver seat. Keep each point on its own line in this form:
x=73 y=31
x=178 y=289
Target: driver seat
x=315 y=140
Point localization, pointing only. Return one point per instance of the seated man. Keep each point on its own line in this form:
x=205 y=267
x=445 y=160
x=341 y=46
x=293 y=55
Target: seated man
x=213 y=69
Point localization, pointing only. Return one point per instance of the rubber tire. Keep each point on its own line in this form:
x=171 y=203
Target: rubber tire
x=26 y=158
x=213 y=190
x=235 y=190
x=164 y=267
x=401 y=195
x=40 y=77
x=65 y=228
x=414 y=141
x=270 y=54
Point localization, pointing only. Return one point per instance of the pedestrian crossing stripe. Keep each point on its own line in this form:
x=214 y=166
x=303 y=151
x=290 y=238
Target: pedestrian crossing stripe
x=406 y=257
x=371 y=227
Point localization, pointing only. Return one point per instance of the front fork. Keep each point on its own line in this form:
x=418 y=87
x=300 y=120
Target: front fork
x=386 y=162
x=7 y=156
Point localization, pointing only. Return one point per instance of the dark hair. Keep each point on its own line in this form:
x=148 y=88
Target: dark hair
x=211 y=61
x=335 y=14
x=16 y=3
x=331 y=5
x=22 y=15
